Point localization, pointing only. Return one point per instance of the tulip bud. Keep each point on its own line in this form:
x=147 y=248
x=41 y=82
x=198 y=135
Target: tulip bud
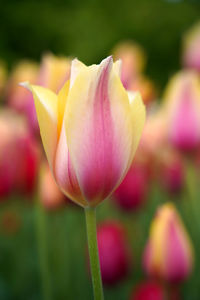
x=154 y=136
x=90 y=130
x=19 y=154
x=133 y=61
x=54 y=72
x=50 y=194
x=191 y=48
x=114 y=252
x=148 y=290
x=169 y=252
x=132 y=192
x=153 y=290
x=182 y=106
x=27 y=177
x=18 y=98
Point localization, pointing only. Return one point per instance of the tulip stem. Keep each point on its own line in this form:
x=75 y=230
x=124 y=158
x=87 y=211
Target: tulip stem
x=90 y=214
x=42 y=251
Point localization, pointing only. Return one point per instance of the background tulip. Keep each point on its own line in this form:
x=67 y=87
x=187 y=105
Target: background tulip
x=133 y=61
x=131 y=193
x=54 y=72
x=169 y=252
x=18 y=98
x=154 y=290
x=114 y=252
x=149 y=290
x=182 y=106
x=19 y=155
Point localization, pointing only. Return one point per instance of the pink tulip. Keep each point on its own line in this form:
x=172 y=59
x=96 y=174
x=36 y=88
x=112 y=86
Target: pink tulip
x=18 y=98
x=133 y=61
x=19 y=155
x=132 y=192
x=114 y=252
x=90 y=130
x=154 y=290
x=148 y=290
x=182 y=107
x=54 y=72
x=168 y=253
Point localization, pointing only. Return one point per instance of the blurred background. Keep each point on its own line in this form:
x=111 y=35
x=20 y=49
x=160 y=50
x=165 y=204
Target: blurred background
x=149 y=230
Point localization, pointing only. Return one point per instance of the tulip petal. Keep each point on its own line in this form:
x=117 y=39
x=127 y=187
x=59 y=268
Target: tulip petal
x=64 y=172
x=47 y=114
x=99 y=129
x=62 y=100
x=76 y=67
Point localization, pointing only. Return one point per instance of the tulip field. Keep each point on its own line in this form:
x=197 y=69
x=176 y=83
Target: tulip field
x=99 y=161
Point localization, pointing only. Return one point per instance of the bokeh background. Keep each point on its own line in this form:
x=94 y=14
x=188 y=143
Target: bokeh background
x=43 y=252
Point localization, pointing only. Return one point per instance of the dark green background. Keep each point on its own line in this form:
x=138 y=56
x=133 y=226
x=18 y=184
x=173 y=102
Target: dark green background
x=89 y=29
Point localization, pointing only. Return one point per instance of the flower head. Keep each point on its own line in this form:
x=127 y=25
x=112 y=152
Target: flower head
x=169 y=252
x=90 y=130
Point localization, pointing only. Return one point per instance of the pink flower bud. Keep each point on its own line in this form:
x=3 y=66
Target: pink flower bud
x=19 y=155
x=114 y=252
x=148 y=290
x=169 y=252
x=18 y=98
x=182 y=108
x=132 y=192
x=153 y=290
x=54 y=72
x=133 y=61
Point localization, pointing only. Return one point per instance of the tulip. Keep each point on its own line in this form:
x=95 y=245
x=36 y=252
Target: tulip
x=154 y=137
x=133 y=61
x=148 y=290
x=110 y=119
x=191 y=48
x=18 y=98
x=153 y=290
x=131 y=193
x=19 y=155
x=54 y=72
x=90 y=131
x=169 y=252
x=182 y=107
x=114 y=252
x=50 y=194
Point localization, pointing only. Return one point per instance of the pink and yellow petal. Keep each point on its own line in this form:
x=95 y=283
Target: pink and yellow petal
x=99 y=130
x=47 y=114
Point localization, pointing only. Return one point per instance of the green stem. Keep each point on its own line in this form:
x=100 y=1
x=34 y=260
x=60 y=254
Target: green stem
x=191 y=184
x=42 y=251
x=90 y=214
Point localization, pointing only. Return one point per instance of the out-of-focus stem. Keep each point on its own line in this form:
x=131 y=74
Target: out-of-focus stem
x=43 y=251
x=90 y=214
x=191 y=185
